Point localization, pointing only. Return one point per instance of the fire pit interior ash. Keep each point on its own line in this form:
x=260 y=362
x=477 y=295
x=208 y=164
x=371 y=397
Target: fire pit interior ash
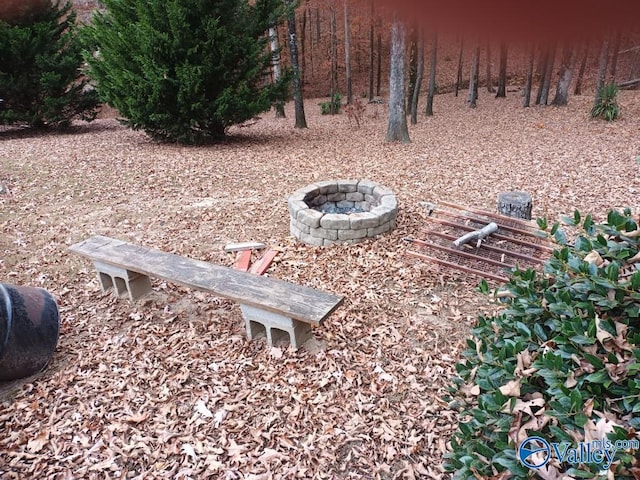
x=341 y=211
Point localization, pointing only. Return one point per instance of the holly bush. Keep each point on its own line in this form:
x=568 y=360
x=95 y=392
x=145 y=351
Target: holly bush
x=559 y=362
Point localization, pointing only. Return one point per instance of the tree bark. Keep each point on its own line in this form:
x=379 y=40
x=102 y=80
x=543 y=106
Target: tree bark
x=419 y=74
x=379 y=63
x=476 y=235
x=347 y=53
x=502 y=76
x=275 y=65
x=459 y=74
x=301 y=121
x=544 y=60
x=413 y=63
x=334 y=58
x=602 y=68
x=566 y=72
x=583 y=66
x=303 y=42
x=490 y=88
x=473 y=78
x=432 y=75
x=528 y=84
x=614 y=56
x=397 y=130
x=546 y=84
x=371 y=48
x=312 y=44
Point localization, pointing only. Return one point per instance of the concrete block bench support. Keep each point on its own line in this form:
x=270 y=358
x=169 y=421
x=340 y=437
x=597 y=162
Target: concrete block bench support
x=268 y=305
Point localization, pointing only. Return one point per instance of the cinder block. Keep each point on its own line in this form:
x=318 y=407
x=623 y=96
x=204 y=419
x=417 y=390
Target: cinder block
x=123 y=282
x=274 y=326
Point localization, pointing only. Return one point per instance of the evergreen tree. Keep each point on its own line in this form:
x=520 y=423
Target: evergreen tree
x=185 y=70
x=40 y=70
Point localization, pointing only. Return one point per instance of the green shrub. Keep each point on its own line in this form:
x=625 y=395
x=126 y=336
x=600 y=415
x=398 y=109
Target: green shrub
x=40 y=70
x=185 y=70
x=560 y=362
x=332 y=107
x=606 y=104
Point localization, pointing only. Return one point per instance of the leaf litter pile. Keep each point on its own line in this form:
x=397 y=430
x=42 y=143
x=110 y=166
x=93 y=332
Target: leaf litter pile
x=169 y=387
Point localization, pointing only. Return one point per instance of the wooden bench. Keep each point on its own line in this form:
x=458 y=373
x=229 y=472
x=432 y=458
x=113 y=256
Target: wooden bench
x=269 y=306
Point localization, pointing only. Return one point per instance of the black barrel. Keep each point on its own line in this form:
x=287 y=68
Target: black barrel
x=29 y=329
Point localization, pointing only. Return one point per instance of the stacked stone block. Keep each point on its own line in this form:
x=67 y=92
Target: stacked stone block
x=377 y=205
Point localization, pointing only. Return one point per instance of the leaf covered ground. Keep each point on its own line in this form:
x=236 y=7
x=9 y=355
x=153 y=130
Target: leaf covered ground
x=169 y=387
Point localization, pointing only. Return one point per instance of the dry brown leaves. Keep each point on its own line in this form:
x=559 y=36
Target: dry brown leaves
x=170 y=388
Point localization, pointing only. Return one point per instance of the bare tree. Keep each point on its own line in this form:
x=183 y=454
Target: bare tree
x=413 y=62
x=473 y=77
x=459 y=74
x=583 y=66
x=614 y=56
x=275 y=66
x=490 y=88
x=502 y=75
x=347 y=53
x=432 y=74
x=566 y=72
x=602 y=68
x=334 y=58
x=379 y=62
x=301 y=121
x=545 y=82
x=528 y=84
x=419 y=74
x=397 y=130
x=303 y=43
x=371 y=48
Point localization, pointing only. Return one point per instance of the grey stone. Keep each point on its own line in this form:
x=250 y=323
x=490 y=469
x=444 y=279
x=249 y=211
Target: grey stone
x=318 y=200
x=363 y=220
x=326 y=242
x=347 y=186
x=385 y=227
x=352 y=234
x=385 y=213
x=366 y=187
x=306 y=238
x=370 y=199
x=345 y=204
x=335 y=197
x=309 y=217
x=295 y=206
x=328 y=233
x=364 y=206
x=327 y=186
x=354 y=196
x=301 y=227
x=337 y=221
x=381 y=191
x=274 y=325
x=389 y=201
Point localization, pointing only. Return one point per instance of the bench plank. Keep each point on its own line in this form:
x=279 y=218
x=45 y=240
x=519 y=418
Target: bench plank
x=278 y=296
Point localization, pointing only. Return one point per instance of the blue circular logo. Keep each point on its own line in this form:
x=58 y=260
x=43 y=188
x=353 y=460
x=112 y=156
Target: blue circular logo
x=531 y=446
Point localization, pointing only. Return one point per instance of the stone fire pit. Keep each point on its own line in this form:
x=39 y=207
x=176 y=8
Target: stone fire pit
x=341 y=211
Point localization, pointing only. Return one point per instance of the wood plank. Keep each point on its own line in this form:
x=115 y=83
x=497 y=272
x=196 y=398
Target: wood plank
x=295 y=301
x=262 y=265
x=236 y=247
x=243 y=259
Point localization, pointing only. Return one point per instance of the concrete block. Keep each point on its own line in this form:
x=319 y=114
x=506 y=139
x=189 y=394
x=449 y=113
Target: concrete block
x=385 y=213
x=335 y=197
x=370 y=199
x=389 y=201
x=352 y=234
x=123 y=282
x=335 y=221
x=274 y=326
x=327 y=187
x=345 y=204
x=366 y=206
x=366 y=186
x=347 y=186
x=354 y=196
x=318 y=200
x=299 y=227
x=363 y=220
x=381 y=191
x=309 y=217
x=307 y=238
x=324 y=233
x=295 y=206
x=385 y=227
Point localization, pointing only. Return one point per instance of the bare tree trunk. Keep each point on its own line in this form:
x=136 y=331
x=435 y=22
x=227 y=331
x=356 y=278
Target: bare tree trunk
x=275 y=64
x=419 y=74
x=614 y=55
x=379 y=62
x=459 y=75
x=566 y=72
x=301 y=121
x=583 y=66
x=347 y=53
x=397 y=130
x=334 y=58
x=528 y=84
x=544 y=60
x=546 y=84
x=473 y=78
x=489 y=75
x=602 y=67
x=303 y=38
x=371 y=48
x=413 y=63
x=311 y=42
x=502 y=76
x=432 y=75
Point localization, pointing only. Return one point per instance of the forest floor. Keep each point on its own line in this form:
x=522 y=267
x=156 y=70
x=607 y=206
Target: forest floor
x=169 y=387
